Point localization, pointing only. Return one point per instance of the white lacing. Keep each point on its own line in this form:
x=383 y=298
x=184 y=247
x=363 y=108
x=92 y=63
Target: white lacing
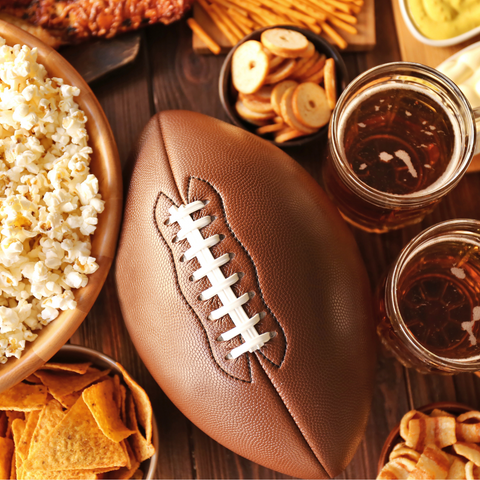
x=221 y=286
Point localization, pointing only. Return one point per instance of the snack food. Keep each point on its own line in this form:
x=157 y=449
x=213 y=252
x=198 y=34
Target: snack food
x=94 y=437
x=271 y=230
x=49 y=200
x=293 y=83
x=436 y=446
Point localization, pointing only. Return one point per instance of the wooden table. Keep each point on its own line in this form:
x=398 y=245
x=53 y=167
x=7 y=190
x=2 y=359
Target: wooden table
x=168 y=75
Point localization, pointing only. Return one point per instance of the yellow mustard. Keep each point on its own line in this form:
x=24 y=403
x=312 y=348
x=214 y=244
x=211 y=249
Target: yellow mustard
x=442 y=19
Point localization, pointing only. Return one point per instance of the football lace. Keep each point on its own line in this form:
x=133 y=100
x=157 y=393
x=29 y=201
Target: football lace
x=221 y=286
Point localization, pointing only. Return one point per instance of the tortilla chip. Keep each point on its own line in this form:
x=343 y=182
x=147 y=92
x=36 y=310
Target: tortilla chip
x=3 y=424
x=124 y=472
x=69 y=400
x=60 y=450
x=27 y=435
x=406 y=418
x=18 y=427
x=439 y=431
x=60 y=475
x=24 y=398
x=100 y=400
x=143 y=450
x=433 y=464
x=80 y=368
x=11 y=416
x=60 y=384
x=468 y=450
x=6 y=453
x=33 y=379
x=142 y=403
x=138 y=475
x=51 y=415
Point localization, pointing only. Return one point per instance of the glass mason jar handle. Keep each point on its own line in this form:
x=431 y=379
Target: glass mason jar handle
x=476 y=115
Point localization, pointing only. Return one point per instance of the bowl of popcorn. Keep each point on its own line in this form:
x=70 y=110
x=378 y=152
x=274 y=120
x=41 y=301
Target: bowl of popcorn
x=60 y=202
x=440 y=440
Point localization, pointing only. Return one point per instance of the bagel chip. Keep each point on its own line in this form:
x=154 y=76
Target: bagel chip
x=470 y=451
x=433 y=464
x=438 y=431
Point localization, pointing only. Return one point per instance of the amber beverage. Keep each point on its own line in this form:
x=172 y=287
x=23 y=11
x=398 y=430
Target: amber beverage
x=430 y=302
x=401 y=137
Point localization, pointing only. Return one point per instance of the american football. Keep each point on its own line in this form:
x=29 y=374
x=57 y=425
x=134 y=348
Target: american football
x=246 y=296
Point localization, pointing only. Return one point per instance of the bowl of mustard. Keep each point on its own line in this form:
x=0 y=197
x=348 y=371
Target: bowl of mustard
x=441 y=23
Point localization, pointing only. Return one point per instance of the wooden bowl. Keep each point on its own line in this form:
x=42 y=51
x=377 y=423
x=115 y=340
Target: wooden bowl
x=228 y=94
x=394 y=436
x=79 y=354
x=105 y=164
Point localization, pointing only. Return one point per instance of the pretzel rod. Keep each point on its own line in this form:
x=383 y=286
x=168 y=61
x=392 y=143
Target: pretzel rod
x=303 y=6
x=336 y=37
x=236 y=18
x=289 y=12
x=330 y=11
x=241 y=19
x=228 y=21
x=343 y=25
x=212 y=45
x=259 y=20
x=339 y=5
x=218 y=22
x=227 y=4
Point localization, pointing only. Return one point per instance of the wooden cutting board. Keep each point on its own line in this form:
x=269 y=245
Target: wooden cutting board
x=363 y=40
x=413 y=50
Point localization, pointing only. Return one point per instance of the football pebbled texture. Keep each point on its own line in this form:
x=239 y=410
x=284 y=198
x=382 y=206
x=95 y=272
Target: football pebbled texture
x=299 y=404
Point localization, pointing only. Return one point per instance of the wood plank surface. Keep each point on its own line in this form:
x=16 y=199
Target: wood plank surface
x=363 y=40
x=169 y=74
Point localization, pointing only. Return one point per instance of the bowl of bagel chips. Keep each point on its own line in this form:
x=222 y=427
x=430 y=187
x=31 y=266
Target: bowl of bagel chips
x=282 y=83
x=80 y=416
x=437 y=441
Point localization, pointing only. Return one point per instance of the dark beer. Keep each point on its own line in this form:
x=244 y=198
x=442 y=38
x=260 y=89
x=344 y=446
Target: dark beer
x=439 y=297
x=399 y=140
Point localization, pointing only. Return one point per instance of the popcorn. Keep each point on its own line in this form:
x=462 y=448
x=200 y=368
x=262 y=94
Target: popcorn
x=49 y=200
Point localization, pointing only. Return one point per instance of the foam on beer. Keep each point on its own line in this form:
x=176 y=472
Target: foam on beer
x=363 y=96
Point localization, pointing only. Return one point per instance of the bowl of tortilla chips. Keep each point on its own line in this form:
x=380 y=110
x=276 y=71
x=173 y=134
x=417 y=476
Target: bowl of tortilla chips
x=79 y=416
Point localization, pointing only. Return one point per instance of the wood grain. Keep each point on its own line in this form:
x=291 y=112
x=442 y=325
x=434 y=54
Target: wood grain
x=361 y=41
x=168 y=74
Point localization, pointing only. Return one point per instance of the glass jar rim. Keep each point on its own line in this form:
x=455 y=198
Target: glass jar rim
x=391 y=302
x=384 y=199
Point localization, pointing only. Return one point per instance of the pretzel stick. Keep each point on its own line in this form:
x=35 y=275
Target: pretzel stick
x=336 y=37
x=218 y=22
x=227 y=4
x=228 y=21
x=344 y=26
x=241 y=19
x=212 y=45
x=289 y=12
x=236 y=18
x=331 y=12
x=310 y=11
x=339 y=5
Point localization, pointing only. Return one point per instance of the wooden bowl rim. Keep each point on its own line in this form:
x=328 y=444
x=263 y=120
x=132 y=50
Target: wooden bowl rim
x=321 y=44
x=104 y=240
x=394 y=435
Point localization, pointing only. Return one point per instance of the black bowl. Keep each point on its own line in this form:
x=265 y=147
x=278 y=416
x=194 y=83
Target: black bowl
x=228 y=94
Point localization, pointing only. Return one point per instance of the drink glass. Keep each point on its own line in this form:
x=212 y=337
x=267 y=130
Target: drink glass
x=430 y=301
x=400 y=138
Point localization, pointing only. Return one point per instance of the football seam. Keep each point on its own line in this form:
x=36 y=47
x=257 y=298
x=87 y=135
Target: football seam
x=251 y=262
x=179 y=289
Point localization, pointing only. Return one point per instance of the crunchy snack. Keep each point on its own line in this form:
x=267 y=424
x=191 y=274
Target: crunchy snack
x=436 y=446
x=92 y=438
x=249 y=67
x=49 y=200
x=292 y=62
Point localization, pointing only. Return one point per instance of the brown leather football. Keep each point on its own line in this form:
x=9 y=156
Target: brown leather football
x=245 y=295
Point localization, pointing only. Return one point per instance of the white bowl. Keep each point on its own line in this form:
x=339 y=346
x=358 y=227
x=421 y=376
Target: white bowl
x=448 y=42
x=461 y=52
